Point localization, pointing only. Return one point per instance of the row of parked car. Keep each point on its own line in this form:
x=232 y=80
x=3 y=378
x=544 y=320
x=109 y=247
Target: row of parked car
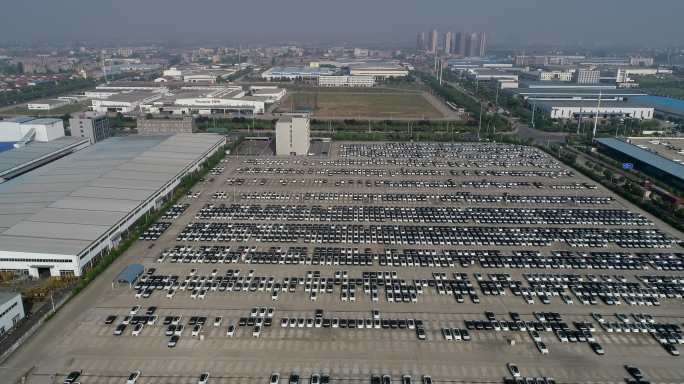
x=426 y=235
x=445 y=258
x=388 y=214
x=454 y=197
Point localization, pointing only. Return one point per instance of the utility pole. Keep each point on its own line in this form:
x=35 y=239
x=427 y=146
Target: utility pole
x=579 y=121
x=479 y=128
x=598 y=106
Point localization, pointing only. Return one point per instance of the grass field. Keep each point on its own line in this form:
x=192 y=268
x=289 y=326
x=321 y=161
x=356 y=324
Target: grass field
x=359 y=103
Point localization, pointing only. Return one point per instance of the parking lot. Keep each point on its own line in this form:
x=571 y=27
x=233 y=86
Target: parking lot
x=441 y=262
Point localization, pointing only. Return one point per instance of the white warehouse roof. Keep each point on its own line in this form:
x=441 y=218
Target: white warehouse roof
x=64 y=206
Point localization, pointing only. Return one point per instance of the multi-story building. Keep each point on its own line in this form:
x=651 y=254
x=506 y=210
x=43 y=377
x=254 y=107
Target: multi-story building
x=587 y=76
x=293 y=136
x=460 y=44
x=448 y=42
x=168 y=125
x=641 y=61
x=346 y=81
x=420 y=41
x=379 y=71
x=434 y=41
x=90 y=125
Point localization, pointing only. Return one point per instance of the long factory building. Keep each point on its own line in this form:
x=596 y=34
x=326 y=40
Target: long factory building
x=58 y=219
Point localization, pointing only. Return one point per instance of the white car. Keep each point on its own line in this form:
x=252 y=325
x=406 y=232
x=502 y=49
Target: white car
x=133 y=377
x=196 y=330
x=137 y=329
x=134 y=310
x=256 y=332
x=231 y=331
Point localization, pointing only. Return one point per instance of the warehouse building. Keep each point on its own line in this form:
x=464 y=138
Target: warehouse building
x=17 y=161
x=47 y=105
x=296 y=73
x=128 y=102
x=572 y=109
x=11 y=311
x=346 y=81
x=378 y=71
x=648 y=162
x=61 y=218
x=293 y=136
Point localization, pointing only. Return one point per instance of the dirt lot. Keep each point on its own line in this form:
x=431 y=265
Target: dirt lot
x=356 y=103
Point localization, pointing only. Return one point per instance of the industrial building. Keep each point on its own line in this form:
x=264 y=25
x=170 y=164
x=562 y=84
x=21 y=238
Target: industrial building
x=208 y=100
x=270 y=93
x=47 y=105
x=572 y=109
x=166 y=125
x=293 y=136
x=378 y=71
x=346 y=81
x=559 y=94
x=127 y=102
x=61 y=218
x=665 y=107
x=17 y=131
x=296 y=73
x=90 y=125
x=11 y=310
x=644 y=160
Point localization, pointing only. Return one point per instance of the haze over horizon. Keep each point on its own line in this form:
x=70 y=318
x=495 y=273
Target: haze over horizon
x=517 y=23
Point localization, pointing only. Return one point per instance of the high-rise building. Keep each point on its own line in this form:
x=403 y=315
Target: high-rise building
x=448 y=42
x=420 y=41
x=460 y=44
x=473 y=45
x=434 y=37
x=483 y=44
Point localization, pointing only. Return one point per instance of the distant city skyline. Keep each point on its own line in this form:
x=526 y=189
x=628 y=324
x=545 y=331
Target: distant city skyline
x=519 y=23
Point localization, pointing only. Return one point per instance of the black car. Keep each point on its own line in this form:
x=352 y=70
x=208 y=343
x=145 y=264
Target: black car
x=294 y=379
x=72 y=377
x=110 y=319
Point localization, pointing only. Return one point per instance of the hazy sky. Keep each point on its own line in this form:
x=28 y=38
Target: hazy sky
x=646 y=22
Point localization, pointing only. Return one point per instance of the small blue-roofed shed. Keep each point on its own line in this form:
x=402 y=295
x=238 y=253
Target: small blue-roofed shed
x=129 y=275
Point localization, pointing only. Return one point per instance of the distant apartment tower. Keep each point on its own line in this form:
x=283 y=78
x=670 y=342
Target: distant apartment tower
x=448 y=42
x=420 y=41
x=483 y=44
x=460 y=44
x=587 y=76
x=90 y=125
x=476 y=44
x=165 y=125
x=292 y=136
x=434 y=41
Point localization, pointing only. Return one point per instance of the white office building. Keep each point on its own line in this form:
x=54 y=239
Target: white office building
x=61 y=218
x=11 y=311
x=293 y=136
x=346 y=81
